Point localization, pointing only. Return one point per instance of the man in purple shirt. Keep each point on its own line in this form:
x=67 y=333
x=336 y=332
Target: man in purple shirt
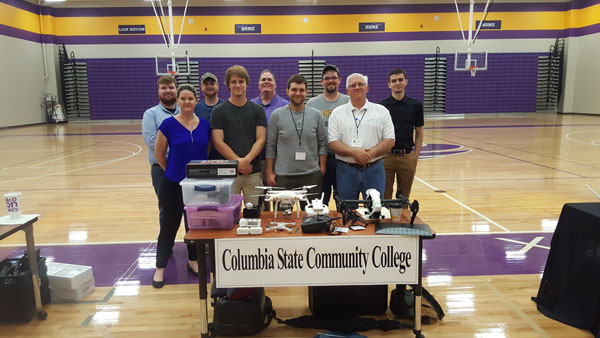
x=269 y=99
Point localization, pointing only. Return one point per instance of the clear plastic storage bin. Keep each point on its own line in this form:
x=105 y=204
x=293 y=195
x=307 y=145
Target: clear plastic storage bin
x=206 y=191
x=215 y=216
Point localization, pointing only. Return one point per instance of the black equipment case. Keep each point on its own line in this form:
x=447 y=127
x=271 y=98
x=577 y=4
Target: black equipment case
x=17 y=301
x=326 y=301
x=242 y=316
x=211 y=169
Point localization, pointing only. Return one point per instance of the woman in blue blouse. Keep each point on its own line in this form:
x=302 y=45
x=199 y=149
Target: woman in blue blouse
x=187 y=138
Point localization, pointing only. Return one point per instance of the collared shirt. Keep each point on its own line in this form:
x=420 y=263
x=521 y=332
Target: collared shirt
x=407 y=114
x=372 y=127
x=151 y=121
x=275 y=103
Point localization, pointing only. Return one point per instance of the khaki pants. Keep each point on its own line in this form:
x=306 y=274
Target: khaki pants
x=246 y=185
x=402 y=168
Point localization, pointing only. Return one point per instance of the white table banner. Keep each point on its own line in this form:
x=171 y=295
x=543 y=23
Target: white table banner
x=331 y=260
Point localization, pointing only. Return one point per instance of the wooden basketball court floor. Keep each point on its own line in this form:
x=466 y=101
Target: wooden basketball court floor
x=491 y=186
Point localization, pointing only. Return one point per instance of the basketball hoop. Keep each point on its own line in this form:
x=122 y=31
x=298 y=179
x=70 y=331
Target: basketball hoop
x=172 y=72
x=469 y=60
x=473 y=70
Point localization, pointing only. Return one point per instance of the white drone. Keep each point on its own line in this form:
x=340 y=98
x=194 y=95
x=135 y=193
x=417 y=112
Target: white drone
x=316 y=207
x=286 y=199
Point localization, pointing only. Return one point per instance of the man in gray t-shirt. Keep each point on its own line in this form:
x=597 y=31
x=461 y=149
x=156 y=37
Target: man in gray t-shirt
x=296 y=142
x=326 y=103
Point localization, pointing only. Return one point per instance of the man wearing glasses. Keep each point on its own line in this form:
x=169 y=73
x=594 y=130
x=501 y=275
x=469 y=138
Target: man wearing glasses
x=360 y=133
x=326 y=103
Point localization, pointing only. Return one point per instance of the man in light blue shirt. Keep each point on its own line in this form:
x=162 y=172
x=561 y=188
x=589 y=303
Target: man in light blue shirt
x=153 y=117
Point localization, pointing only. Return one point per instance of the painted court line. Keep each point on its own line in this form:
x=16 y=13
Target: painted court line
x=515 y=309
x=592 y=190
x=59 y=158
x=530 y=245
x=527 y=246
x=133 y=267
x=520 y=150
x=511 y=157
x=491 y=221
x=592 y=143
x=79 y=169
x=16 y=245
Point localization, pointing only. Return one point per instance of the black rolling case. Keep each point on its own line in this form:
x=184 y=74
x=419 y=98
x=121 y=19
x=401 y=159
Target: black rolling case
x=17 y=302
x=326 y=301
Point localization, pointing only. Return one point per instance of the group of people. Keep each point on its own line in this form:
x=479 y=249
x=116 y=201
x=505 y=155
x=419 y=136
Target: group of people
x=333 y=142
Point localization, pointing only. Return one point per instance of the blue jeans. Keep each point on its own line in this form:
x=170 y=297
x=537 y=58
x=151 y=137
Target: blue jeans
x=351 y=181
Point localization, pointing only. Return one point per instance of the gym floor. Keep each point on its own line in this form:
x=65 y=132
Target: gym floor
x=491 y=186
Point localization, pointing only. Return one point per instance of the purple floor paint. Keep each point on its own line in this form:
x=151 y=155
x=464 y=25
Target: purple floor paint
x=112 y=263
x=454 y=255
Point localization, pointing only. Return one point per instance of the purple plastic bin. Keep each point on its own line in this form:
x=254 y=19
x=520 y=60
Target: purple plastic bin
x=225 y=216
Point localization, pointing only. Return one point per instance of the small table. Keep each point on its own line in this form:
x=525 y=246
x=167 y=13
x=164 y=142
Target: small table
x=203 y=237
x=10 y=226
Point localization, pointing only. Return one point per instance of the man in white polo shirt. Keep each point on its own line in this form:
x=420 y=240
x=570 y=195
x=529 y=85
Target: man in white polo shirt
x=360 y=133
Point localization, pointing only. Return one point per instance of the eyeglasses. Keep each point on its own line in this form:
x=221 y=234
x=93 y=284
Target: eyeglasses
x=357 y=85
x=333 y=78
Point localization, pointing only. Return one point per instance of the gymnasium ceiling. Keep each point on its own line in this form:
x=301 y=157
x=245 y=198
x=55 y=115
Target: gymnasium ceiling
x=207 y=3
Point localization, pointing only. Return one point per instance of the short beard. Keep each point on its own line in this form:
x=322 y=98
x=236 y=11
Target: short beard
x=168 y=102
x=330 y=91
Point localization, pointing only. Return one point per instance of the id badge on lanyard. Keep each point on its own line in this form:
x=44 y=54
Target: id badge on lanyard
x=357 y=143
x=300 y=155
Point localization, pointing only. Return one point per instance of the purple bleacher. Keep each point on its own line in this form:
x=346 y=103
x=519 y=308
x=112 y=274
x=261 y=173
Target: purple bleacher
x=125 y=88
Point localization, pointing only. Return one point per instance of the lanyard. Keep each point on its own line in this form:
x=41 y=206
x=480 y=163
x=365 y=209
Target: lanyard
x=359 y=121
x=296 y=126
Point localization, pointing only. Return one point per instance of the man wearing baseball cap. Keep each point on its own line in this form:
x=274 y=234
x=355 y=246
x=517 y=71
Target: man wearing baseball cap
x=209 y=84
x=326 y=103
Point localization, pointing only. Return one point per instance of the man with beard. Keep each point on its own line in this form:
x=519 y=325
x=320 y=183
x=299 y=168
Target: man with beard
x=210 y=88
x=153 y=117
x=296 y=142
x=326 y=103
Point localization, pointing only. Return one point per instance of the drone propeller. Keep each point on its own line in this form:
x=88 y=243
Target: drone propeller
x=305 y=187
x=268 y=187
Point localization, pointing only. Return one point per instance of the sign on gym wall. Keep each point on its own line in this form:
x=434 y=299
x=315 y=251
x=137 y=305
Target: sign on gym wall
x=371 y=26
x=247 y=29
x=132 y=29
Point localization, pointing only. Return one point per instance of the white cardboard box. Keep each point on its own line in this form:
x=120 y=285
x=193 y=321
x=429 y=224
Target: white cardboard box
x=60 y=294
x=68 y=276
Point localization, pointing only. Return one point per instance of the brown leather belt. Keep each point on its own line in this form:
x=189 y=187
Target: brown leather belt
x=358 y=166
